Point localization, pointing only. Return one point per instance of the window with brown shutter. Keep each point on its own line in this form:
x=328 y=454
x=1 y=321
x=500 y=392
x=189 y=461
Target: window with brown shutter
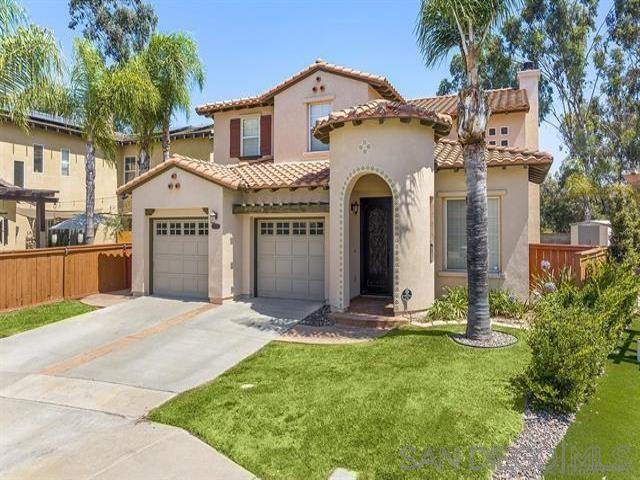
x=265 y=135
x=234 y=141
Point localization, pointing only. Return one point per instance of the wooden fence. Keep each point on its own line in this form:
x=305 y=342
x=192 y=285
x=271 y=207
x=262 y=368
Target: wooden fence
x=31 y=277
x=576 y=258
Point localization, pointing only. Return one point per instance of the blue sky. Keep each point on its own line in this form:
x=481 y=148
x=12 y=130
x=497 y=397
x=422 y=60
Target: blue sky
x=248 y=46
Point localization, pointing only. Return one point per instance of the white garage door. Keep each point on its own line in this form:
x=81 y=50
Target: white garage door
x=291 y=259
x=180 y=257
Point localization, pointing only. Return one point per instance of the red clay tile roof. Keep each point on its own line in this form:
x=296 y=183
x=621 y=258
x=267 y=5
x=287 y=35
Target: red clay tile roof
x=380 y=110
x=311 y=174
x=503 y=100
x=378 y=83
x=244 y=176
x=449 y=155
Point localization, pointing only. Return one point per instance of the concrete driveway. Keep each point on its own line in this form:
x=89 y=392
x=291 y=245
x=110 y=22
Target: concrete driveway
x=72 y=393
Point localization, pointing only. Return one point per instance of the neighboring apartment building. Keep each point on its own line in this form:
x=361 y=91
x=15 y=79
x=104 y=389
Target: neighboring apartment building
x=50 y=156
x=331 y=185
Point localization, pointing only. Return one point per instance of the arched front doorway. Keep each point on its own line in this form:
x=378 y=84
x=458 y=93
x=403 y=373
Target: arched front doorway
x=369 y=257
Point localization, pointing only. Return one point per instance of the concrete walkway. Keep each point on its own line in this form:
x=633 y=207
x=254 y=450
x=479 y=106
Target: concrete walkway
x=73 y=393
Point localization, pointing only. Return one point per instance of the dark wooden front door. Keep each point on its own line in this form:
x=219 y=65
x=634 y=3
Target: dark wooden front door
x=376 y=246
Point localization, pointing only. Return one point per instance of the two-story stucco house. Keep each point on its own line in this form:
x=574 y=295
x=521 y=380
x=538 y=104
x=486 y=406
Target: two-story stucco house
x=50 y=156
x=330 y=186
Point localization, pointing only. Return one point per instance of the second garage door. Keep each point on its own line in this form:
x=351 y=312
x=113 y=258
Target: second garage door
x=290 y=259
x=180 y=258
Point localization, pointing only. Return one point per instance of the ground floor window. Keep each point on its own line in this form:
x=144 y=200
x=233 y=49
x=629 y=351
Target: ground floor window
x=456 y=236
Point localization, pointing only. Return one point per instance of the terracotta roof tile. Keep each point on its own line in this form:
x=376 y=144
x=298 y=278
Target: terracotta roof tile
x=381 y=109
x=449 y=155
x=308 y=174
x=244 y=176
x=501 y=100
x=378 y=83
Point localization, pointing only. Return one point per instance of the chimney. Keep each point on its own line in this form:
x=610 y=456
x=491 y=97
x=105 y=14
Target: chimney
x=529 y=79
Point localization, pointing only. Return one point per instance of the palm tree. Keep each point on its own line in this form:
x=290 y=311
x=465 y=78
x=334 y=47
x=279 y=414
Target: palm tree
x=30 y=65
x=175 y=67
x=96 y=96
x=465 y=24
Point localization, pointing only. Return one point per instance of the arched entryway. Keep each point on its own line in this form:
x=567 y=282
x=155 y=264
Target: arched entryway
x=368 y=249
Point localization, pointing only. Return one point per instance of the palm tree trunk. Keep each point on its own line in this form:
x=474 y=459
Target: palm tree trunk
x=473 y=114
x=90 y=201
x=166 y=140
x=144 y=157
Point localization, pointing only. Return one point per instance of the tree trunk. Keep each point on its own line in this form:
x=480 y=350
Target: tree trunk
x=166 y=140
x=473 y=114
x=144 y=157
x=90 y=201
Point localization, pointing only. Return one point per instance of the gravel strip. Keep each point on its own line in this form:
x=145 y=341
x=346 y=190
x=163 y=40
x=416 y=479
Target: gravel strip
x=319 y=318
x=532 y=449
x=497 y=340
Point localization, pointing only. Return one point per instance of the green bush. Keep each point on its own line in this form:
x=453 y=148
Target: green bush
x=504 y=303
x=452 y=306
x=624 y=213
x=573 y=331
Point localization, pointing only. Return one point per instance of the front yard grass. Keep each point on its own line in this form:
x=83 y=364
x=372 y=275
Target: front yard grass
x=606 y=432
x=32 y=317
x=391 y=408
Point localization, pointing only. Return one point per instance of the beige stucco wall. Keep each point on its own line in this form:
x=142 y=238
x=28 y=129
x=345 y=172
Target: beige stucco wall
x=402 y=155
x=17 y=144
x=8 y=211
x=511 y=186
x=290 y=127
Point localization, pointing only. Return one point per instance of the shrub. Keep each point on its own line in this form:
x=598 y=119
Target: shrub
x=504 y=303
x=624 y=213
x=452 y=306
x=573 y=331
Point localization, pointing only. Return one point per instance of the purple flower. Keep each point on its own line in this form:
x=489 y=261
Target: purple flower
x=545 y=265
x=550 y=287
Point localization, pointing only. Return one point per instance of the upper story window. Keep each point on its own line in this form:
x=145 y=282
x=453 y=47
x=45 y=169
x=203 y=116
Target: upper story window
x=38 y=159
x=492 y=132
x=504 y=130
x=317 y=110
x=18 y=173
x=250 y=137
x=130 y=168
x=64 y=162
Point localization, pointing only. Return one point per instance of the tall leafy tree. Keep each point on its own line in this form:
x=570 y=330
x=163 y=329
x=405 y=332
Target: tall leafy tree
x=97 y=95
x=175 y=67
x=444 y=25
x=119 y=28
x=30 y=65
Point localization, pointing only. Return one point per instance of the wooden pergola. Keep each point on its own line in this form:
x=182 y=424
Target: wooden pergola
x=40 y=198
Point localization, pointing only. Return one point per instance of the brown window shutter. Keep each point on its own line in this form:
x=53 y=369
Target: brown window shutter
x=234 y=141
x=265 y=135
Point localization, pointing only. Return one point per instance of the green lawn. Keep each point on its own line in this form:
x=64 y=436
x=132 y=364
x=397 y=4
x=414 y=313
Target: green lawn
x=607 y=429
x=384 y=408
x=34 y=317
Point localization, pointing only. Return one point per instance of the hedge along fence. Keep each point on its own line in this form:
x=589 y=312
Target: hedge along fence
x=577 y=258
x=42 y=275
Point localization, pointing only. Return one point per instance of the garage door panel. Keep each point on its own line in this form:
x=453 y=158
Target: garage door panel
x=283 y=266
x=290 y=259
x=300 y=267
x=283 y=246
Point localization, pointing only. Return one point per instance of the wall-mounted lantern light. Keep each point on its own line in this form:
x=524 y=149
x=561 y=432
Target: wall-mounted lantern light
x=213 y=216
x=354 y=207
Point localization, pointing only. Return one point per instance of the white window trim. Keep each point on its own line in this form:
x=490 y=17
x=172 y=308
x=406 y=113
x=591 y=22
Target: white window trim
x=124 y=167
x=446 y=197
x=242 y=119
x=68 y=162
x=33 y=158
x=309 y=132
x=505 y=127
